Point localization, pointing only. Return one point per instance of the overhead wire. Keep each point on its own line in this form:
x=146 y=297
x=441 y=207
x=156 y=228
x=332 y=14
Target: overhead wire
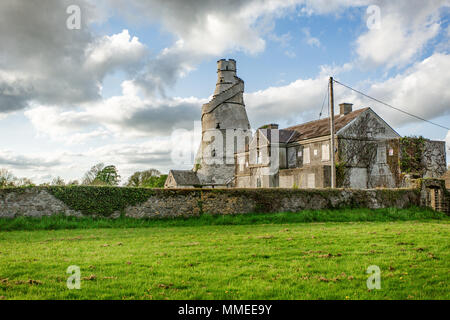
x=390 y=106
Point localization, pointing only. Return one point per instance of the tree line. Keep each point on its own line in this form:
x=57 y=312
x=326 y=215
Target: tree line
x=99 y=175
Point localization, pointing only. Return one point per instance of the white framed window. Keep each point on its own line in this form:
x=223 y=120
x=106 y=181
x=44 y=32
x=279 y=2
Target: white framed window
x=311 y=182
x=315 y=152
x=306 y=156
x=241 y=164
x=325 y=152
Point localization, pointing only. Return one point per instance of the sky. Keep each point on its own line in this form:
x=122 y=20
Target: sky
x=122 y=81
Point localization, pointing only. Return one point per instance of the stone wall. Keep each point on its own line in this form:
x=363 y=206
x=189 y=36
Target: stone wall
x=434 y=158
x=38 y=201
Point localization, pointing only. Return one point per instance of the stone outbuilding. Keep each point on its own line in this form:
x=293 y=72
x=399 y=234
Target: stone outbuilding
x=182 y=179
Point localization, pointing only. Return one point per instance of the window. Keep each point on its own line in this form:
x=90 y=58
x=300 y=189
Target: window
x=258 y=182
x=306 y=157
x=241 y=164
x=311 y=183
x=315 y=152
x=325 y=152
x=213 y=153
x=381 y=154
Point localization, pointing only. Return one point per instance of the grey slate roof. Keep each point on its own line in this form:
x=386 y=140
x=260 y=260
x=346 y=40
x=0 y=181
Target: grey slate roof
x=320 y=128
x=185 y=177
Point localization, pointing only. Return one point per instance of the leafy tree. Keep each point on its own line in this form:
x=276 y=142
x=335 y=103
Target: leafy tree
x=138 y=179
x=107 y=176
x=151 y=178
x=99 y=175
x=7 y=179
x=156 y=182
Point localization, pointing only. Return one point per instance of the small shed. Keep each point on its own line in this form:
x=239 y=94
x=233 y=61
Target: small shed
x=182 y=179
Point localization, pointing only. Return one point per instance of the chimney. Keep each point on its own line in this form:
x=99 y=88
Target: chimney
x=345 y=108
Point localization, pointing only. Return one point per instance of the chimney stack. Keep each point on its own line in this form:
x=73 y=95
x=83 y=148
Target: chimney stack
x=345 y=108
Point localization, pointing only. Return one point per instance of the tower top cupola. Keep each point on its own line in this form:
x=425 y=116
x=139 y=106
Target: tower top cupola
x=226 y=75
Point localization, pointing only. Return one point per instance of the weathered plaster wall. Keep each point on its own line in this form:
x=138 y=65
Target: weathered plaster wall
x=307 y=177
x=364 y=148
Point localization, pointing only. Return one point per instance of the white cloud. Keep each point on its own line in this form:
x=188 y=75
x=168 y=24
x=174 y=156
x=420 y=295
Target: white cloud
x=10 y=159
x=406 y=28
x=123 y=116
x=48 y=64
x=110 y=52
x=394 y=45
x=420 y=90
x=310 y=40
x=203 y=29
x=334 y=70
x=290 y=54
x=291 y=104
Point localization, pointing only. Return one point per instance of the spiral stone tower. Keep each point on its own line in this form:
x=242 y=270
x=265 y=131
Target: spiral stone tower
x=225 y=128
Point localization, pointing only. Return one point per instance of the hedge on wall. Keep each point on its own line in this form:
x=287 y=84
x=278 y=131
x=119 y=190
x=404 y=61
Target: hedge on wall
x=102 y=200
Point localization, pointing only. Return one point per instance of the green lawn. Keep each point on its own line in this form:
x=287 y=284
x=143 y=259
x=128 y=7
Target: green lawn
x=282 y=259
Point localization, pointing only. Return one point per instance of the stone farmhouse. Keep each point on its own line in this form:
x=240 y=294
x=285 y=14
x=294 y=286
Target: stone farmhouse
x=369 y=153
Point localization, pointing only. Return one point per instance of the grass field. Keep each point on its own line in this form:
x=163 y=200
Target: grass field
x=242 y=257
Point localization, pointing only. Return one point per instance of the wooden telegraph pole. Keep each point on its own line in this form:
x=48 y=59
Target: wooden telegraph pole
x=332 y=146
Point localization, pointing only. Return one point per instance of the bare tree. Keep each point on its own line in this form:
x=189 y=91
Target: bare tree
x=22 y=182
x=58 y=181
x=90 y=176
x=7 y=179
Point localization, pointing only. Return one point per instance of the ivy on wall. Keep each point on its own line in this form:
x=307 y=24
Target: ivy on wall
x=411 y=159
x=341 y=174
x=102 y=200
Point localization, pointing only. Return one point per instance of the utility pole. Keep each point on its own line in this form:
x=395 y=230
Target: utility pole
x=332 y=146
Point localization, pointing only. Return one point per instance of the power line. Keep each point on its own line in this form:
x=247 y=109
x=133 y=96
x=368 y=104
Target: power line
x=323 y=103
x=390 y=106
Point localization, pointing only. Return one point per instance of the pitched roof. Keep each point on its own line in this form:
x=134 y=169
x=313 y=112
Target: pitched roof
x=320 y=128
x=284 y=135
x=185 y=177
